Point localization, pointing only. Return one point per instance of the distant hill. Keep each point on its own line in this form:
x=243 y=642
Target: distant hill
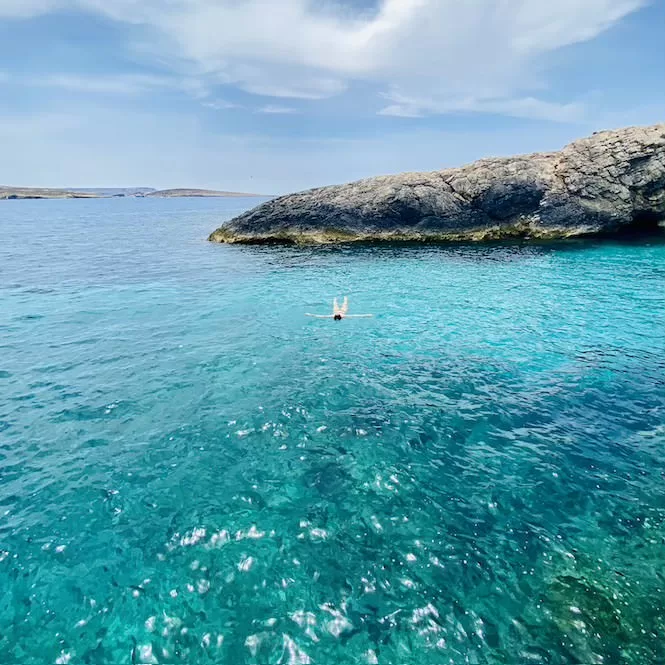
x=173 y=193
x=108 y=192
x=114 y=191
x=43 y=193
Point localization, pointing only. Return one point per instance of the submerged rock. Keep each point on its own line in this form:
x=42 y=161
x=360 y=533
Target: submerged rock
x=611 y=182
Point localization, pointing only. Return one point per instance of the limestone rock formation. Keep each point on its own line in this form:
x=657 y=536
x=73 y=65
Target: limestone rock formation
x=611 y=182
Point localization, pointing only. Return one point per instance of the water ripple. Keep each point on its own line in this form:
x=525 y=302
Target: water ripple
x=192 y=471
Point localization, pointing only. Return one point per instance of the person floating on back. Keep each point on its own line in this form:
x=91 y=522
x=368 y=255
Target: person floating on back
x=340 y=313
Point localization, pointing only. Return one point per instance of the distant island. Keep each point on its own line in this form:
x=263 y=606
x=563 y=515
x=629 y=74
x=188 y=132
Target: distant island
x=610 y=183
x=112 y=192
x=173 y=193
x=102 y=193
x=41 y=193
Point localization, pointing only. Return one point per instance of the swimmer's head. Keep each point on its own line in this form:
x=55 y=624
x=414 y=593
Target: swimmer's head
x=337 y=317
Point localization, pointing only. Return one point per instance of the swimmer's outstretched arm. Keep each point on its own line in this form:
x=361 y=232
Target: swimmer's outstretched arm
x=320 y=316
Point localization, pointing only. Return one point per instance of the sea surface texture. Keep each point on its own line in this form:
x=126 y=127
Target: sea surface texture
x=192 y=471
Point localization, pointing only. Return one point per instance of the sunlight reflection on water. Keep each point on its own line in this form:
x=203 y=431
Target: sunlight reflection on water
x=192 y=471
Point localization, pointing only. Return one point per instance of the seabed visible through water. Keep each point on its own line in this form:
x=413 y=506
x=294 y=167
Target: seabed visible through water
x=192 y=471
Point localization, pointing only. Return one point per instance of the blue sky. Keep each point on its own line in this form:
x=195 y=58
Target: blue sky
x=277 y=95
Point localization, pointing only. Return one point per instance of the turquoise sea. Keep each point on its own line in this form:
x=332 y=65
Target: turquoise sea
x=192 y=471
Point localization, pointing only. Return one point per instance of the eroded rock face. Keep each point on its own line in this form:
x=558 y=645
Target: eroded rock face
x=608 y=183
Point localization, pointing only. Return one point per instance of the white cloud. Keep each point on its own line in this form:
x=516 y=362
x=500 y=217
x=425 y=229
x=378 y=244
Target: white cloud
x=490 y=54
x=278 y=110
x=518 y=107
x=114 y=85
x=258 y=83
x=27 y=8
x=221 y=105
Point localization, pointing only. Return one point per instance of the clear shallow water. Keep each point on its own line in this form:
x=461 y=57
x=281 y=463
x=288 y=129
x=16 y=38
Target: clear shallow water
x=192 y=471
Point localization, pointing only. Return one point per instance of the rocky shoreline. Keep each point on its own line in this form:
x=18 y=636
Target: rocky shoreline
x=610 y=183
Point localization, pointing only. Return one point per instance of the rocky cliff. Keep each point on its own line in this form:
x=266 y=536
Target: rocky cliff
x=611 y=182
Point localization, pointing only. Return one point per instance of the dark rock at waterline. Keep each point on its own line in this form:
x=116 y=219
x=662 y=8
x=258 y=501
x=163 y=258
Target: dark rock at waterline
x=611 y=182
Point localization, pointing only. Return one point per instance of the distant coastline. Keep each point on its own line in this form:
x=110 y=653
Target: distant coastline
x=175 y=193
x=14 y=193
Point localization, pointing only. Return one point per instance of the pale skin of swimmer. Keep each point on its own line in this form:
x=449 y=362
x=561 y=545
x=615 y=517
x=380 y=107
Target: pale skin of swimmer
x=340 y=313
